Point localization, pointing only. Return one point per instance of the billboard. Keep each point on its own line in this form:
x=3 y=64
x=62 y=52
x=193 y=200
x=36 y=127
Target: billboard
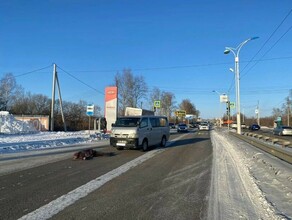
x=111 y=105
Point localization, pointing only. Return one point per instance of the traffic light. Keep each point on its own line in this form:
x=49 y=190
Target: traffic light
x=154 y=109
x=228 y=108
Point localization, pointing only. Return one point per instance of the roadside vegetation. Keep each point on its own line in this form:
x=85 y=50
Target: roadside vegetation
x=133 y=91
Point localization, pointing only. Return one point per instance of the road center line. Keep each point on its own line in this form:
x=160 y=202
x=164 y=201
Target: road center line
x=57 y=205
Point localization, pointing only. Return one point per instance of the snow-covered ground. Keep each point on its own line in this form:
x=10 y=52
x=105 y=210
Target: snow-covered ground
x=19 y=140
x=246 y=183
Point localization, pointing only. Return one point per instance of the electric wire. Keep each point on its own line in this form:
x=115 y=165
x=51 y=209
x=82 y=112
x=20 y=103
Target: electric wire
x=267 y=42
x=261 y=59
x=266 y=52
x=74 y=77
x=33 y=71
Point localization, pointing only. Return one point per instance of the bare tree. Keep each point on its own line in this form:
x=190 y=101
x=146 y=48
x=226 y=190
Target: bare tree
x=140 y=90
x=167 y=103
x=154 y=95
x=276 y=112
x=131 y=89
x=8 y=89
x=189 y=107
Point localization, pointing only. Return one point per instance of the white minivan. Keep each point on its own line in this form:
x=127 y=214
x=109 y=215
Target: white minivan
x=139 y=132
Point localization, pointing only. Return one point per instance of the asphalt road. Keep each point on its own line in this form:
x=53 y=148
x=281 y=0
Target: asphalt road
x=173 y=184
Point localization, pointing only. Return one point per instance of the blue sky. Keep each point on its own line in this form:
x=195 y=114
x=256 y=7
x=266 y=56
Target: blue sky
x=176 y=45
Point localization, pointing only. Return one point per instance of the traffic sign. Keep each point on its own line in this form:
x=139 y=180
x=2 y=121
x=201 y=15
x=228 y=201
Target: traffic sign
x=156 y=104
x=90 y=110
x=180 y=113
x=232 y=105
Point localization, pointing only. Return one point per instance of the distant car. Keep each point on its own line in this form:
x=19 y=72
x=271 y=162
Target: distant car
x=182 y=127
x=254 y=127
x=192 y=125
x=171 y=125
x=234 y=126
x=204 y=126
x=282 y=130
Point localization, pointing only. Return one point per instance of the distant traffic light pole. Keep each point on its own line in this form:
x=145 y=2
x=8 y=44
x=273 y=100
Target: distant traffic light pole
x=235 y=52
x=220 y=96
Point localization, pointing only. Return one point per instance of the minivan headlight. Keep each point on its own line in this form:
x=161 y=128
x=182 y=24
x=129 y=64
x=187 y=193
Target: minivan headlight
x=132 y=135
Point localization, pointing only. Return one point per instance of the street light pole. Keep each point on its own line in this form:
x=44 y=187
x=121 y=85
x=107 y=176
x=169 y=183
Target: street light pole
x=235 y=52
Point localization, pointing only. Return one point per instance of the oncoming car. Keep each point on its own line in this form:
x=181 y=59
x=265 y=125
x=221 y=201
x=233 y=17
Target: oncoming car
x=171 y=125
x=204 y=126
x=182 y=127
x=139 y=132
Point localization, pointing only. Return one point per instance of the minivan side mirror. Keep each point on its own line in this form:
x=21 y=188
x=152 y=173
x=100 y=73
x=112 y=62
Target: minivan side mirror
x=113 y=124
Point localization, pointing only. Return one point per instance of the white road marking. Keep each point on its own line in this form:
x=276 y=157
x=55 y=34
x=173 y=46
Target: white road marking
x=57 y=205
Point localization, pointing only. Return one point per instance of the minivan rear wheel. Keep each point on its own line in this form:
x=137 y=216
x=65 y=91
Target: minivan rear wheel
x=163 y=141
x=145 y=145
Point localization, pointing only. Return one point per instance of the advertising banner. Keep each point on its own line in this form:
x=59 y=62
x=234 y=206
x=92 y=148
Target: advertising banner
x=111 y=105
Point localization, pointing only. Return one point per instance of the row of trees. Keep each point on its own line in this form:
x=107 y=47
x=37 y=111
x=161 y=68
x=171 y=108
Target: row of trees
x=133 y=92
x=14 y=99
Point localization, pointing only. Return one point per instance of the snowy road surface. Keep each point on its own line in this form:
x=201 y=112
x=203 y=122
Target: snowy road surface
x=246 y=183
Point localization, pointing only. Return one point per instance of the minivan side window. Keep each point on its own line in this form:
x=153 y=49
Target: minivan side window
x=162 y=122
x=154 y=122
x=144 y=123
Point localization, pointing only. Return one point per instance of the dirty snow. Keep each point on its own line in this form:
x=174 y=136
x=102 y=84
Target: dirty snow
x=247 y=183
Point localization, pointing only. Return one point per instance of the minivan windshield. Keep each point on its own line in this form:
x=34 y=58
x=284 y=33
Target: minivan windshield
x=127 y=122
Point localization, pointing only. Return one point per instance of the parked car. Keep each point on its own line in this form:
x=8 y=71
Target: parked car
x=171 y=125
x=182 y=127
x=282 y=130
x=204 y=126
x=254 y=127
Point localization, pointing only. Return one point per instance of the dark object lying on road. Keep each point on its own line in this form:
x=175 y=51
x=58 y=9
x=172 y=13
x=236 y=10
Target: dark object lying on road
x=89 y=154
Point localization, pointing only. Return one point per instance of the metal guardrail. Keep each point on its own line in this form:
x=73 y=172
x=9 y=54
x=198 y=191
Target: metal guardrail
x=273 y=140
x=266 y=144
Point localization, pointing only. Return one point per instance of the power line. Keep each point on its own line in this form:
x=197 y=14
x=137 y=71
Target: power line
x=266 y=43
x=74 y=77
x=33 y=71
x=179 y=67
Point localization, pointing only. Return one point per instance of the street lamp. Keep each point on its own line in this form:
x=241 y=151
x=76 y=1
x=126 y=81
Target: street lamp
x=235 y=52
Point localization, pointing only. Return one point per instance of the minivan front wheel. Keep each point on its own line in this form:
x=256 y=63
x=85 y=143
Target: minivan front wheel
x=145 y=145
x=163 y=141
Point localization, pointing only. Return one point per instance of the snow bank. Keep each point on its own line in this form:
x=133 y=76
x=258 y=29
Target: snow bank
x=9 y=125
x=234 y=192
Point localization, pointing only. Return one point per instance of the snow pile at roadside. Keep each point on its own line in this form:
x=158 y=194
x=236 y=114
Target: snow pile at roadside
x=9 y=125
x=46 y=140
x=247 y=184
x=19 y=136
